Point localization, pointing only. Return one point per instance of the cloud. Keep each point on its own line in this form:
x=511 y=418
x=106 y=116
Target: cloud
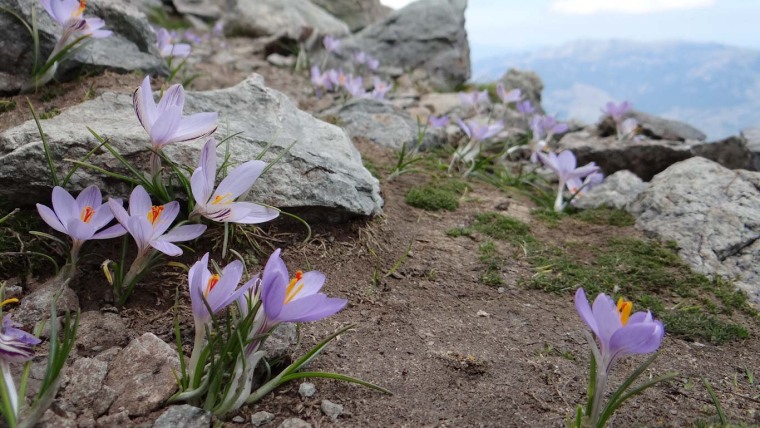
x=590 y=7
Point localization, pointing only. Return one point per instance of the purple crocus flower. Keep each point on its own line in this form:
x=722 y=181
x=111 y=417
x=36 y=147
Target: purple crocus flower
x=220 y=205
x=16 y=346
x=359 y=58
x=81 y=218
x=337 y=77
x=477 y=131
x=513 y=96
x=619 y=332
x=381 y=89
x=473 y=99
x=218 y=29
x=331 y=44
x=297 y=299
x=617 y=111
x=372 y=63
x=168 y=49
x=545 y=127
x=565 y=166
x=68 y=13
x=219 y=290
x=525 y=107
x=578 y=188
x=438 y=121
x=148 y=223
x=320 y=81
x=164 y=122
x=355 y=86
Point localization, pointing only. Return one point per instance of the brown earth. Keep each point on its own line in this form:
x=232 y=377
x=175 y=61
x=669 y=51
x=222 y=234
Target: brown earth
x=454 y=351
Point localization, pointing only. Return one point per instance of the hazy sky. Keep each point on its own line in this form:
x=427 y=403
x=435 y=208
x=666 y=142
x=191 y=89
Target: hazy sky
x=499 y=25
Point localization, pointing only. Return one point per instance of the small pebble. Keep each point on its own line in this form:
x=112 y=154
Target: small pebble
x=502 y=290
x=294 y=423
x=238 y=419
x=483 y=314
x=261 y=418
x=332 y=410
x=307 y=390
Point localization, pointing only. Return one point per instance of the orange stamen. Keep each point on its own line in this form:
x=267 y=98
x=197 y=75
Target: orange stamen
x=624 y=308
x=82 y=5
x=211 y=284
x=155 y=213
x=294 y=287
x=87 y=214
x=222 y=199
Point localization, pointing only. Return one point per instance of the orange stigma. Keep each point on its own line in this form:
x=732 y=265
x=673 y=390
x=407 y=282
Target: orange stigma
x=295 y=287
x=211 y=284
x=155 y=213
x=87 y=214
x=222 y=199
x=624 y=308
x=80 y=10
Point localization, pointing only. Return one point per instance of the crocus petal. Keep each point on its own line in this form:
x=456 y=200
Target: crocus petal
x=166 y=218
x=240 y=179
x=79 y=230
x=584 y=170
x=141 y=231
x=166 y=126
x=65 y=206
x=47 y=7
x=167 y=248
x=228 y=280
x=250 y=213
x=196 y=126
x=273 y=283
x=183 y=233
x=112 y=232
x=118 y=211
x=173 y=97
x=103 y=216
x=566 y=161
x=641 y=338
x=607 y=318
x=208 y=163
x=312 y=308
x=49 y=217
x=584 y=310
x=139 y=202
x=196 y=276
x=89 y=197
x=640 y=317
x=144 y=105
x=312 y=283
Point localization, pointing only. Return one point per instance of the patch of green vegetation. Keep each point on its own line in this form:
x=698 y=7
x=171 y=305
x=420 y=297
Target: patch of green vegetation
x=50 y=93
x=49 y=114
x=606 y=216
x=15 y=237
x=650 y=274
x=161 y=18
x=7 y=105
x=491 y=88
x=550 y=217
x=437 y=195
x=493 y=262
x=497 y=226
x=372 y=168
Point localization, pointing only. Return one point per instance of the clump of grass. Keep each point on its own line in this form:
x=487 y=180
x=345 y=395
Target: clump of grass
x=49 y=114
x=650 y=274
x=606 y=216
x=489 y=256
x=497 y=226
x=372 y=168
x=550 y=217
x=7 y=105
x=437 y=195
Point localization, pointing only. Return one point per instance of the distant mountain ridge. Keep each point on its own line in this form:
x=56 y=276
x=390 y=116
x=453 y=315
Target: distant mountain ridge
x=711 y=86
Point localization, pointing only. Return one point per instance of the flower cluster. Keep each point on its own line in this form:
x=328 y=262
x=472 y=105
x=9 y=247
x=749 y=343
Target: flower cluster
x=625 y=126
x=352 y=84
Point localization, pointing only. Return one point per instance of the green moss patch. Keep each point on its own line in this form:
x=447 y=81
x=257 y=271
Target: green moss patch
x=437 y=195
x=606 y=216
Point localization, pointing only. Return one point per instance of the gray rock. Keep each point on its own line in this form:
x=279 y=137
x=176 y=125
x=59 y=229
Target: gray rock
x=99 y=331
x=751 y=137
x=332 y=410
x=238 y=419
x=648 y=157
x=426 y=35
x=102 y=402
x=143 y=375
x=86 y=377
x=656 y=128
x=52 y=420
x=617 y=191
x=35 y=307
x=711 y=213
x=357 y=14
x=209 y=9
x=120 y=419
x=278 y=343
x=294 y=423
x=381 y=123
x=307 y=390
x=528 y=82
x=322 y=174
x=441 y=103
x=132 y=39
x=257 y=18
x=261 y=418
x=185 y=416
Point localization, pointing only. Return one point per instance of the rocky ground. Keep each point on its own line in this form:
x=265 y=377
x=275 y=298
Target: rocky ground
x=460 y=289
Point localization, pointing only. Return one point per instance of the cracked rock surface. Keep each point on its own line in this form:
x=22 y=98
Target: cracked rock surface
x=712 y=214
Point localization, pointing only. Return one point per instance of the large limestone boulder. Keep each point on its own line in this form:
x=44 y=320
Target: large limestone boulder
x=711 y=213
x=657 y=128
x=528 y=82
x=131 y=47
x=427 y=36
x=291 y=18
x=357 y=14
x=322 y=174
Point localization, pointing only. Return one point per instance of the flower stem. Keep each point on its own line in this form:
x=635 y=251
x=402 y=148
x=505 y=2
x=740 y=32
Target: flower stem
x=559 y=202
x=601 y=384
x=200 y=338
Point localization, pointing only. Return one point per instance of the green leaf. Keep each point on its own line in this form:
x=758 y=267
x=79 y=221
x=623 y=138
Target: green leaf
x=45 y=145
x=336 y=376
x=716 y=403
